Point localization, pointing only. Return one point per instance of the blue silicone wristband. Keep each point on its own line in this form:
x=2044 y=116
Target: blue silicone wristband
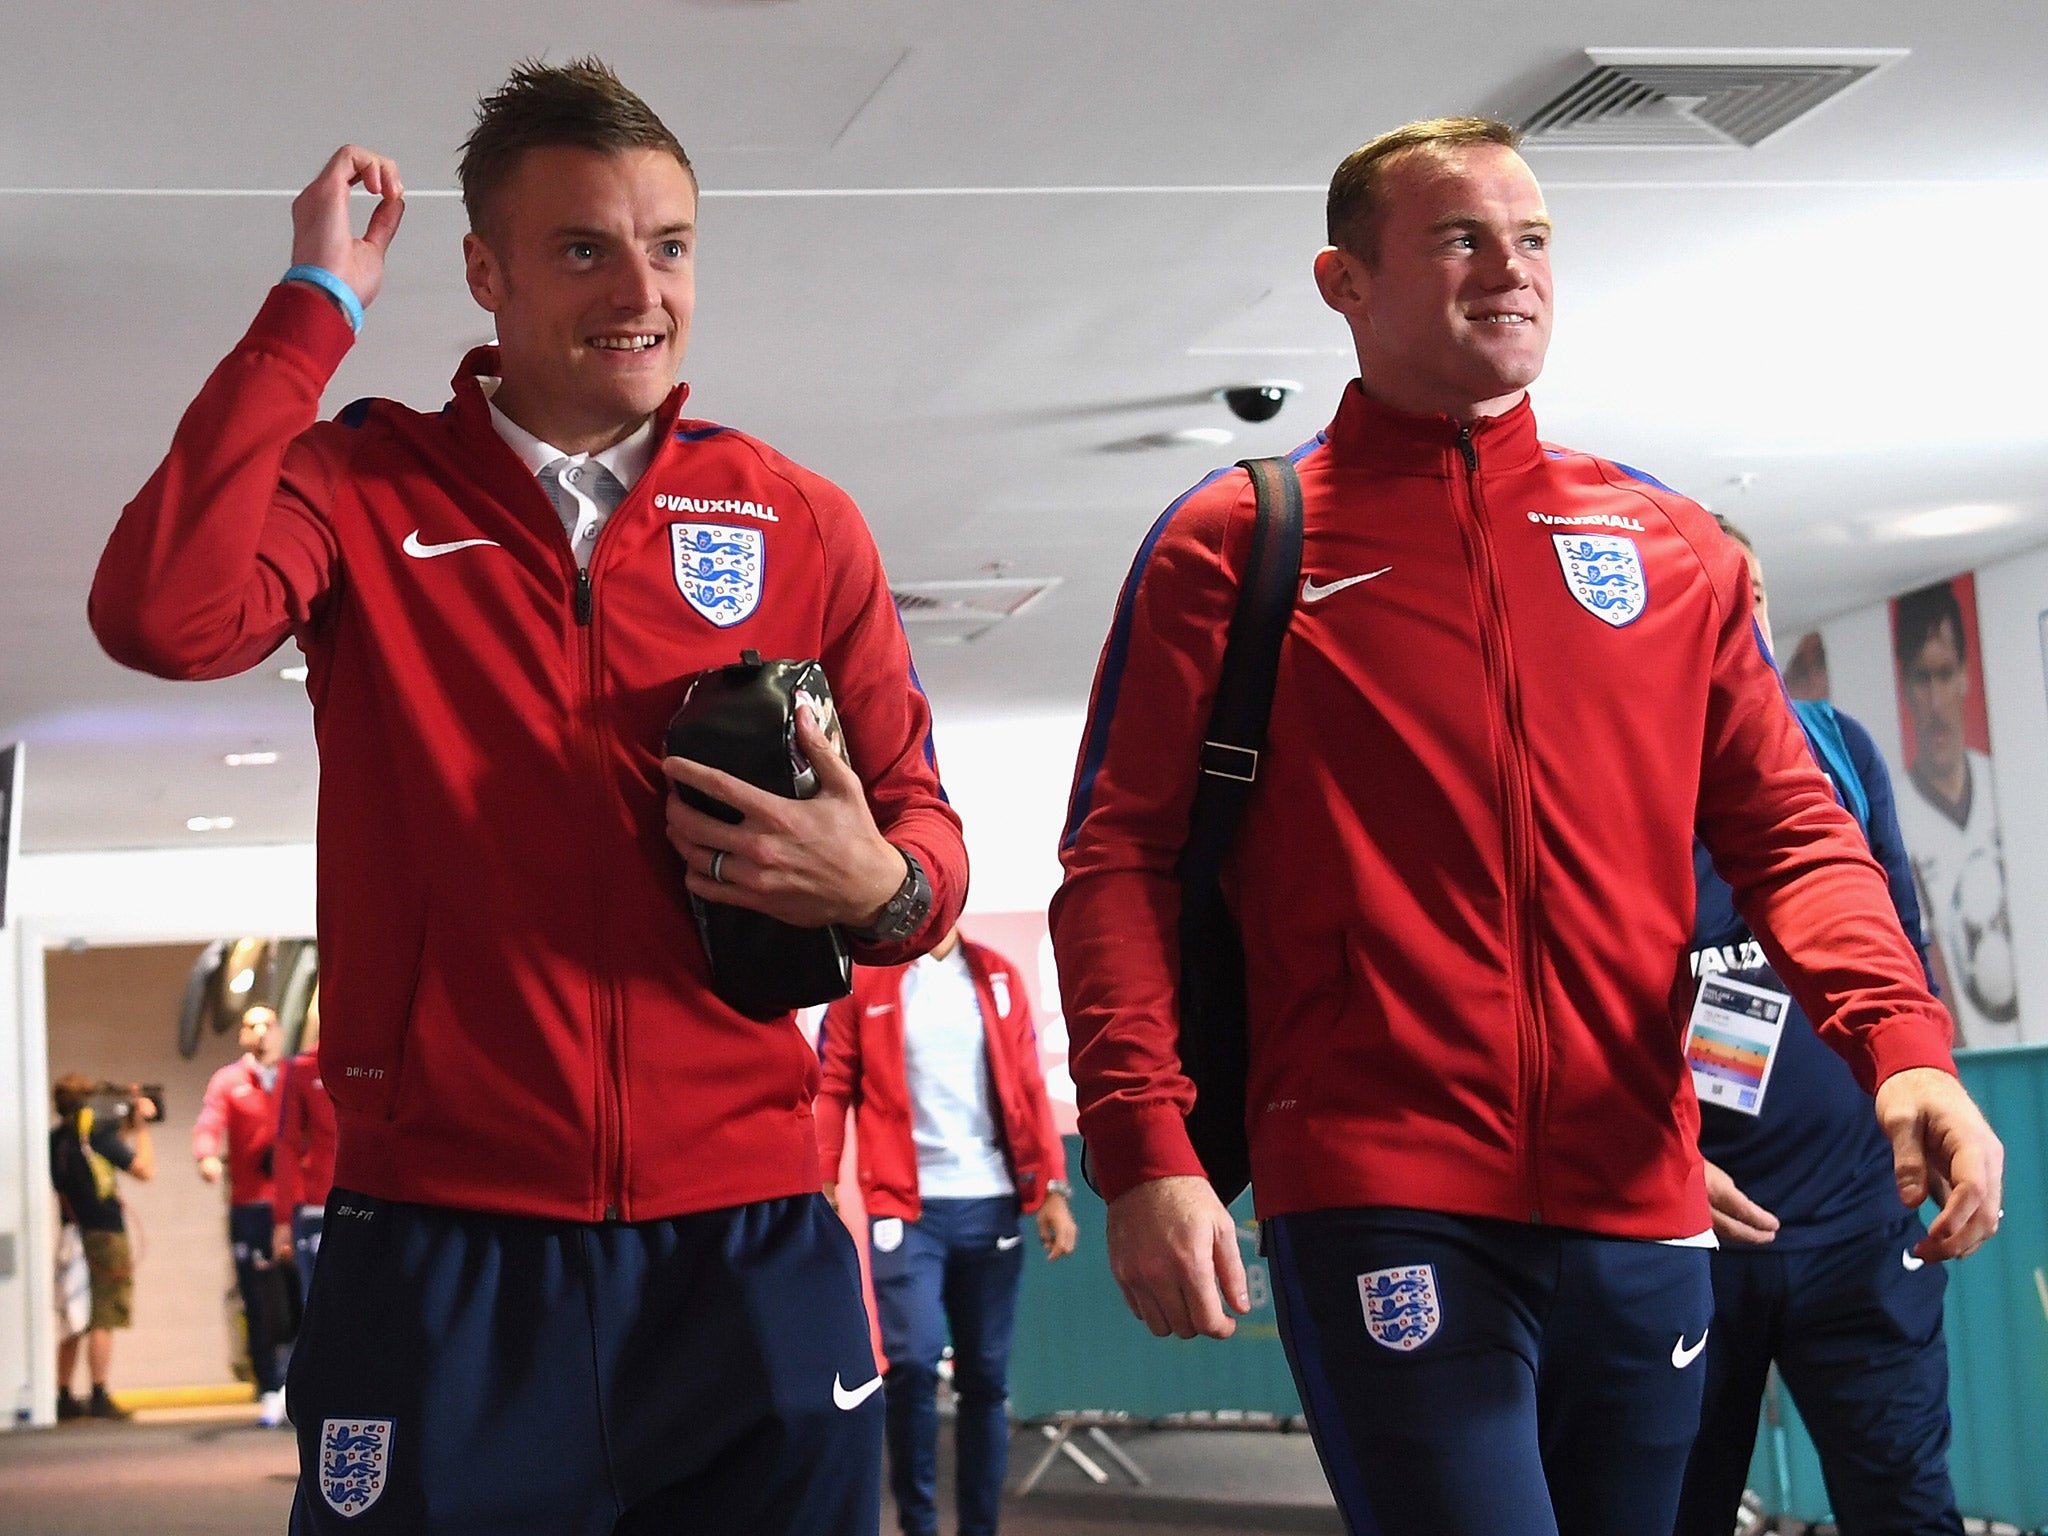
x=333 y=287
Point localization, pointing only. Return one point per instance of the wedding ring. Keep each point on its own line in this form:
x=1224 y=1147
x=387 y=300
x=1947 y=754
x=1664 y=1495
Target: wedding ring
x=717 y=866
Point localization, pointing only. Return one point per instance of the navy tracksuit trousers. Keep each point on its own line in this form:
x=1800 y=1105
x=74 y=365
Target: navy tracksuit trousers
x=466 y=1373
x=1855 y=1328
x=1468 y=1377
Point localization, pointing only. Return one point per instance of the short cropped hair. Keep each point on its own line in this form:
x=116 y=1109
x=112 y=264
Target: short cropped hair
x=1920 y=614
x=1735 y=533
x=580 y=105
x=71 y=1093
x=1355 y=202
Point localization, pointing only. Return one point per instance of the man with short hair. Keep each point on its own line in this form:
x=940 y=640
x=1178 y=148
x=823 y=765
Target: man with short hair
x=85 y=1157
x=1517 y=678
x=232 y=1135
x=576 y=1274
x=1951 y=819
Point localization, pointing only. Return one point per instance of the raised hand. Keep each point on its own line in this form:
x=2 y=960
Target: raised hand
x=324 y=236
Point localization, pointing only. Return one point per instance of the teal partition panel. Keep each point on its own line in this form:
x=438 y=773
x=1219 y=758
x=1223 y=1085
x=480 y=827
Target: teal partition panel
x=1079 y=1349
x=1996 y=1322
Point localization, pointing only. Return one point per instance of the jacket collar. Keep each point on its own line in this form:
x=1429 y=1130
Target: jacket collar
x=471 y=408
x=1379 y=437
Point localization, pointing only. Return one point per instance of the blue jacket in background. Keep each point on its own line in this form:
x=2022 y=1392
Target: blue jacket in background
x=1815 y=1157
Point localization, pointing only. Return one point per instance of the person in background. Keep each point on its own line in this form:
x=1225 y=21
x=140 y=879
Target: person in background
x=237 y=1125
x=938 y=1060
x=85 y=1157
x=1818 y=1268
x=302 y=1160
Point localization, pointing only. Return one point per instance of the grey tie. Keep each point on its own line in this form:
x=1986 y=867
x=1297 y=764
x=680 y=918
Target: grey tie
x=585 y=494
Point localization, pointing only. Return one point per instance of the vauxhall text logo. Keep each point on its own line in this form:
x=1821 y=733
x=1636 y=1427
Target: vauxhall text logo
x=716 y=506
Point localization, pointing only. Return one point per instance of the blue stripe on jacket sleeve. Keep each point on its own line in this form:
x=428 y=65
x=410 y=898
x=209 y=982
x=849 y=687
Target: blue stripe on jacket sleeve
x=931 y=750
x=1636 y=474
x=1114 y=655
x=1117 y=652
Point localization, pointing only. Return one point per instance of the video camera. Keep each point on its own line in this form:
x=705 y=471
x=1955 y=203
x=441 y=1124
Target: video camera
x=114 y=1103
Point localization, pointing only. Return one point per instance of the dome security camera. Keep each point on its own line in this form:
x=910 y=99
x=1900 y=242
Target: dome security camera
x=1258 y=402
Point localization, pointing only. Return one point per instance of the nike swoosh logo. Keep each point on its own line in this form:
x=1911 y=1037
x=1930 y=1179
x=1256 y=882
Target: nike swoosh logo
x=1910 y=1261
x=1007 y=1243
x=420 y=551
x=848 y=1401
x=1681 y=1357
x=1311 y=593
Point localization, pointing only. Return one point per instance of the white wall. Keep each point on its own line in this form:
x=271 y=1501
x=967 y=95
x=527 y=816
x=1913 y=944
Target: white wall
x=1009 y=779
x=2012 y=605
x=2012 y=597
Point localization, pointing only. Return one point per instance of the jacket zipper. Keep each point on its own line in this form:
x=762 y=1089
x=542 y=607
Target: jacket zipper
x=611 y=1109
x=1519 y=824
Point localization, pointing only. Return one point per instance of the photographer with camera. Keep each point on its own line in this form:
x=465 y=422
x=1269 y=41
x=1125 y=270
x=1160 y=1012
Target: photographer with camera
x=102 y=1129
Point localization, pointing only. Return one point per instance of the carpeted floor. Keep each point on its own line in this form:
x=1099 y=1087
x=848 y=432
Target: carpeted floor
x=217 y=1473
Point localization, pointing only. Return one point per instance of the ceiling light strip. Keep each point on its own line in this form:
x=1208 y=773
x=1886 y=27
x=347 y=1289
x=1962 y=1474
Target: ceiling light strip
x=1291 y=189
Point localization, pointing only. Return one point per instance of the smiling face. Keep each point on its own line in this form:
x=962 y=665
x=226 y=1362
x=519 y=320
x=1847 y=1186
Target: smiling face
x=588 y=264
x=1451 y=314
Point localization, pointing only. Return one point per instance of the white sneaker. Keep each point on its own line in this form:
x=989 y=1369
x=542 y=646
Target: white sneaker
x=271 y=1412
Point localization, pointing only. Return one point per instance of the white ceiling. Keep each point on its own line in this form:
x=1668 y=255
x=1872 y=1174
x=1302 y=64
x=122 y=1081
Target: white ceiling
x=953 y=251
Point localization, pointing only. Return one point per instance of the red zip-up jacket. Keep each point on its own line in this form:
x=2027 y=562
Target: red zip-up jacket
x=862 y=1044
x=517 y=1016
x=1515 y=682
x=237 y=1123
x=302 y=1161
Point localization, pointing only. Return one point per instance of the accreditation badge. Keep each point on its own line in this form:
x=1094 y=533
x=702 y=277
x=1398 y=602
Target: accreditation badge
x=1732 y=1040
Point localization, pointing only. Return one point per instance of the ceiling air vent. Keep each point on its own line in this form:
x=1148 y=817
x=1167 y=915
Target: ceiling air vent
x=1696 y=98
x=952 y=611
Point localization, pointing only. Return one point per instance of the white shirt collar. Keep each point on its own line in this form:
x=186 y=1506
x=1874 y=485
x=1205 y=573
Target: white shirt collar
x=628 y=458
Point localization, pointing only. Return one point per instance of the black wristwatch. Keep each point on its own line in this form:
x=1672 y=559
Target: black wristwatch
x=903 y=913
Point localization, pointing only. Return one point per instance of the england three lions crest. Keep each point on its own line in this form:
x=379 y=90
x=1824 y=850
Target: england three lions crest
x=1402 y=1311
x=355 y=1461
x=718 y=569
x=1605 y=573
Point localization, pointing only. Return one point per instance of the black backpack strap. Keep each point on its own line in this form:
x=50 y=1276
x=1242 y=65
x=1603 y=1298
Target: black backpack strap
x=1251 y=661
x=1212 y=1040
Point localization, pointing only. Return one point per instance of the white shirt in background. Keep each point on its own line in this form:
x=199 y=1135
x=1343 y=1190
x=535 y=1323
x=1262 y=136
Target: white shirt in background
x=945 y=1053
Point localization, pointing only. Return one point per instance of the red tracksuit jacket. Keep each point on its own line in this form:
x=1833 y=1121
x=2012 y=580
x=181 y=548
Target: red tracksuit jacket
x=303 y=1157
x=516 y=1013
x=862 y=1043
x=1517 y=679
x=238 y=1110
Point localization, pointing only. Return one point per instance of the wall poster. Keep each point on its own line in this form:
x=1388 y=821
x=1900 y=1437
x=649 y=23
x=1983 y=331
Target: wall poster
x=1948 y=810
